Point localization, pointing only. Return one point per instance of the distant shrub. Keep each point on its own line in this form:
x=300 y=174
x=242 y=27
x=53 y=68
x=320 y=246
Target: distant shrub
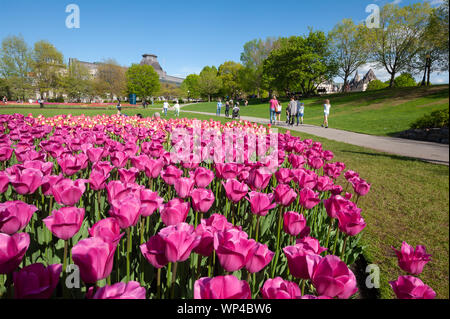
x=58 y=99
x=404 y=80
x=436 y=119
x=376 y=85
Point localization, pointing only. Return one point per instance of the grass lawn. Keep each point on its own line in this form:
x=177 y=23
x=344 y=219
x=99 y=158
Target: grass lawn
x=383 y=112
x=408 y=201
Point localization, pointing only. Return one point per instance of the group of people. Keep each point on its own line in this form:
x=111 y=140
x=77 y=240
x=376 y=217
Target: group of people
x=294 y=110
x=228 y=105
x=176 y=108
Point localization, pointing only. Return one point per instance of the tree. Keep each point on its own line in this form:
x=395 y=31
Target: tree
x=48 y=64
x=143 y=81
x=15 y=65
x=349 y=47
x=169 y=91
x=77 y=83
x=111 y=79
x=209 y=82
x=397 y=41
x=376 y=85
x=190 y=86
x=404 y=80
x=229 y=73
x=300 y=64
x=253 y=57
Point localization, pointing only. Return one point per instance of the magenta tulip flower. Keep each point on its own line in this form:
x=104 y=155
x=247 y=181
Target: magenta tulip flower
x=336 y=190
x=335 y=204
x=179 y=240
x=259 y=256
x=12 y=250
x=171 y=174
x=119 y=159
x=302 y=260
x=5 y=153
x=14 y=216
x=71 y=164
x=95 y=154
x=360 y=186
x=94 y=257
x=121 y=290
x=284 y=195
x=128 y=175
x=153 y=168
x=297 y=161
x=351 y=221
x=223 y=287
x=283 y=175
x=304 y=178
x=126 y=211
x=206 y=245
x=261 y=203
x=232 y=247
x=184 y=186
x=203 y=177
x=119 y=191
x=150 y=202
x=410 y=260
x=104 y=167
x=259 y=178
x=36 y=281
x=27 y=181
x=202 y=199
x=235 y=190
x=324 y=184
x=409 y=287
x=4 y=182
x=350 y=174
x=278 y=288
x=332 y=278
x=107 y=229
x=174 y=212
x=155 y=251
x=68 y=192
x=140 y=162
x=308 y=198
x=312 y=243
x=315 y=162
x=98 y=180
x=294 y=224
x=65 y=222
x=227 y=171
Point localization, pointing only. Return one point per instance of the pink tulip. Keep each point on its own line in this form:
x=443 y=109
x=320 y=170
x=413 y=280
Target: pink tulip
x=261 y=203
x=65 y=222
x=304 y=178
x=278 y=288
x=174 y=212
x=98 y=180
x=351 y=221
x=94 y=257
x=5 y=153
x=71 y=164
x=409 y=287
x=179 y=240
x=184 y=186
x=119 y=191
x=104 y=167
x=294 y=224
x=107 y=229
x=95 y=154
x=223 y=287
x=153 y=168
x=235 y=190
x=119 y=159
x=171 y=174
x=206 y=245
x=45 y=167
x=301 y=260
x=4 y=182
x=126 y=211
x=259 y=256
x=335 y=204
x=327 y=155
x=155 y=251
x=128 y=175
x=217 y=223
x=36 y=281
x=324 y=184
x=315 y=162
x=226 y=171
x=121 y=290
x=232 y=246
x=203 y=177
x=350 y=174
x=68 y=192
x=284 y=195
x=14 y=216
x=259 y=178
x=284 y=175
x=308 y=198
x=410 y=260
x=360 y=186
x=202 y=199
x=27 y=181
x=332 y=278
x=336 y=190
x=12 y=250
x=312 y=243
x=297 y=161
x=140 y=162
x=150 y=202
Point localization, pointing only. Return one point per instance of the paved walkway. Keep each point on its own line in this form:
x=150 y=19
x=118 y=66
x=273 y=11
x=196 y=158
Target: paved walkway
x=426 y=151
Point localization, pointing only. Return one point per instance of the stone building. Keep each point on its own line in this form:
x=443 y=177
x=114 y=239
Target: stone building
x=151 y=59
x=360 y=85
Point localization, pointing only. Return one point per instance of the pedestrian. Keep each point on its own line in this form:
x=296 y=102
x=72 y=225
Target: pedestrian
x=272 y=108
x=279 y=109
x=227 y=109
x=292 y=110
x=219 y=107
x=326 y=113
x=5 y=100
x=246 y=103
x=41 y=103
x=301 y=112
x=177 y=109
x=144 y=104
x=165 y=107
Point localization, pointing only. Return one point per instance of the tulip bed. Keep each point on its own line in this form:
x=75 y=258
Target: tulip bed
x=139 y=220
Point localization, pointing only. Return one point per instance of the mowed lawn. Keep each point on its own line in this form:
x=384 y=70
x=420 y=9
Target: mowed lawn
x=384 y=112
x=408 y=201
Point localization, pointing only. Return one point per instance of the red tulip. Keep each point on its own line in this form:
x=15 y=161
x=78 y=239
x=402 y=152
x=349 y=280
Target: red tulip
x=36 y=281
x=223 y=287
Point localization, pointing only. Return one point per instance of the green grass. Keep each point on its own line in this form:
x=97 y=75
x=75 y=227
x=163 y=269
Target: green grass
x=385 y=112
x=408 y=201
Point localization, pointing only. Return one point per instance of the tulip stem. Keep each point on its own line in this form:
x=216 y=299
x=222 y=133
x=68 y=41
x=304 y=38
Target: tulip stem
x=174 y=274
x=303 y=287
x=257 y=227
x=158 y=283
x=343 y=249
x=335 y=241
x=66 y=246
x=278 y=242
x=98 y=201
x=169 y=267
x=329 y=232
x=128 y=253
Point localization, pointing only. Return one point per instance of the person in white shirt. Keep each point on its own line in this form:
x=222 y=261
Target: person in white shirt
x=279 y=109
x=165 y=107
x=177 y=109
x=301 y=112
x=326 y=113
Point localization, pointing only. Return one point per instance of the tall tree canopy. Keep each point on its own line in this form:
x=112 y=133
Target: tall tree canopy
x=142 y=80
x=190 y=86
x=229 y=73
x=111 y=79
x=209 y=82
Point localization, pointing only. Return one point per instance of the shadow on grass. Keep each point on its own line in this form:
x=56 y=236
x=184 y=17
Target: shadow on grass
x=399 y=157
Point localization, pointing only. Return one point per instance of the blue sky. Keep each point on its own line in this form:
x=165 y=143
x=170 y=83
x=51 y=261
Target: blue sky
x=186 y=35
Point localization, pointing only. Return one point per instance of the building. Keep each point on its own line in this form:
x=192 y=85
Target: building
x=329 y=87
x=360 y=85
x=151 y=59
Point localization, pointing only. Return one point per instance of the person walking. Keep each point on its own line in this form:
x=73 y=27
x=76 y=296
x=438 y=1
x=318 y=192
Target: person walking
x=279 y=109
x=292 y=111
x=301 y=112
x=227 y=109
x=177 y=109
x=326 y=113
x=273 y=107
x=165 y=107
x=219 y=107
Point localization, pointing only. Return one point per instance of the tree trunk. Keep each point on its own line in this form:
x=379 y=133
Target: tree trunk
x=209 y=98
x=391 y=82
x=344 y=87
x=429 y=71
x=424 y=74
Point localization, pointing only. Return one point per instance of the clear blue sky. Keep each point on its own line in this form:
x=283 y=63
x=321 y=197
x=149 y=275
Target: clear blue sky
x=186 y=35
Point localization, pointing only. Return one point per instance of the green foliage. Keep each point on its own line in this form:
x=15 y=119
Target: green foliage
x=209 y=82
x=229 y=73
x=190 y=86
x=142 y=80
x=436 y=119
x=404 y=80
x=376 y=85
x=77 y=83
